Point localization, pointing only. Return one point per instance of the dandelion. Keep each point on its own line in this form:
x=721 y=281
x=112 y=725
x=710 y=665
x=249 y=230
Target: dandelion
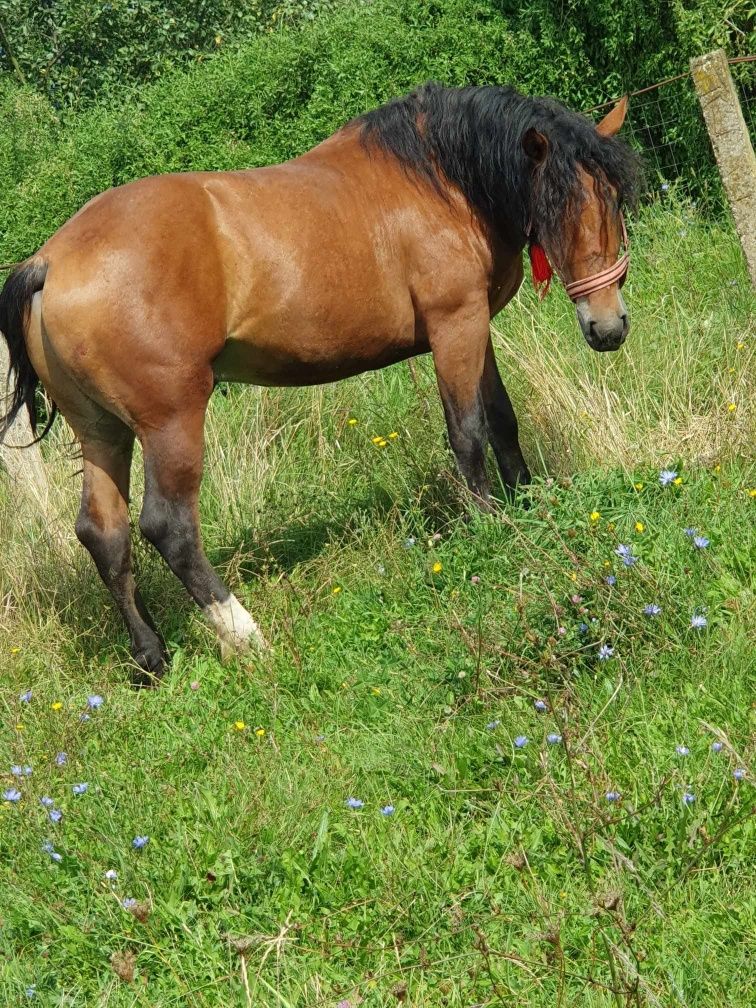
x=697 y=621
x=47 y=801
x=377 y=439
x=652 y=609
x=740 y=345
x=553 y=738
x=437 y=567
x=393 y=435
x=260 y=732
x=111 y=874
x=352 y=422
x=521 y=741
x=354 y=803
x=11 y=794
x=640 y=527
x=493 y=725
x=605 y=652
x=80 y=788
x=751 y=491
x=56 y=705
x=94 y=701
x=55 y=815
x=717 y=747
x=541 y=706
x=21 y=771
x=739 y=773
x=387 y=810
x=595 y=516
x=731 y=407
x=682 y=750
x=335 y=590
x=667 y=476
x=638 y=487
x=239 y=725
x=700 y=542
x=61 y=759
x=678 y=481
x=612 y=796
x=611 y=580
x=139 y=842
x=26 y=696
x=688 y=798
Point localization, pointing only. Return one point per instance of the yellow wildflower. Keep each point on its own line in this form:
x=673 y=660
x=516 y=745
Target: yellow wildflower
x=595 y=516
x=640 y=527
x=678 y=481
x=19 y=727
x=393 y=434
x=751 y=491
x=15 y=650
x=717 y=467
x=437 y=567
x=377 y=439
x=335 y=590
x=382 y=443
x=375 y=691
x=740 y=345
x=573 y=576
x=352 y=422
x=638 y=487
x=239 y=725
x=57 y=705
x=731 y=407
x=259 y=732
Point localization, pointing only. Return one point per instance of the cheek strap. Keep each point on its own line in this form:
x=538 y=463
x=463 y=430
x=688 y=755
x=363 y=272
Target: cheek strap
x=542 y=271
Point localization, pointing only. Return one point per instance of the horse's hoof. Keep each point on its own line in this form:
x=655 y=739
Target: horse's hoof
x=151 y=667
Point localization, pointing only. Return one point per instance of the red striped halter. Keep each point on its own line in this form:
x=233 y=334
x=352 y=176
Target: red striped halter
x=542 y=271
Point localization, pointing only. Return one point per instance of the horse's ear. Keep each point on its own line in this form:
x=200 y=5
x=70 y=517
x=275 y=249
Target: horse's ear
x=535 y=145
x=611 y=124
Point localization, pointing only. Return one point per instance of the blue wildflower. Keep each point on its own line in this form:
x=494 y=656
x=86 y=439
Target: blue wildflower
x=665 y=187
x=667 y=476
x=21 y=771
x=605 y=652
x=354 y=803
x=12 y=794
x=700 y=542
x=521 y=741
x=541 y=706
x=80 y=788
x=739 y=773
x=47 y=801
x=697 y=621
x=26 y=696
x=387 y=810
x=140 y=841
x=611 y=580
x=94 y=701
x=682 y=750
x=31 y=991
x=61 y=759
x=129 y=903
x=48 y=848
x=582 y=628
x=717 y=746
x=612 y=796
x=55 y=815
x=84 y=717
x=652 y=609
x=409 y=542
x=553 y=738
x=690 y=532
x=492 y=725
x=111 y=874
x=623 y=550
x=688 y=798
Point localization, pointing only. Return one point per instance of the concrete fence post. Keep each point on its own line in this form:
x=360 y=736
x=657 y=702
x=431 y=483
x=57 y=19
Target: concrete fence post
x=731 y=143
x=24 y=466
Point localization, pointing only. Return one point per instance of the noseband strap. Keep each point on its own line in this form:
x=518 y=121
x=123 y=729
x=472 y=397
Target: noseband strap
x=587 y=285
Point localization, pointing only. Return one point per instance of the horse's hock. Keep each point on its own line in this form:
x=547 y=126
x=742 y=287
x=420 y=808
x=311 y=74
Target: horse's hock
x=731 y=143
x=23 y=465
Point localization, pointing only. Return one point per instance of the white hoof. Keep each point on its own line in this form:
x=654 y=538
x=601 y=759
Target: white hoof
x=237 y=631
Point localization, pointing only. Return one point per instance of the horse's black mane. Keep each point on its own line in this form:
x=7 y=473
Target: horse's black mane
x=474 y=137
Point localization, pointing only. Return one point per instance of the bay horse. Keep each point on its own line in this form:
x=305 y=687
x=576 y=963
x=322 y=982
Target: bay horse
x=400 y=234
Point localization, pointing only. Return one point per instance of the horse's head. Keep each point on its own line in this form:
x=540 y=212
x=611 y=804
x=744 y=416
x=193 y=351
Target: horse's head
x=587 y=249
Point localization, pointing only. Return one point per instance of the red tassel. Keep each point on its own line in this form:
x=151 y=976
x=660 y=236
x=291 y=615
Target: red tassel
x=542 y=271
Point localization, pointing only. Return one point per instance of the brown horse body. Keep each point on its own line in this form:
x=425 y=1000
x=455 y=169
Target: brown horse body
x=340 y=261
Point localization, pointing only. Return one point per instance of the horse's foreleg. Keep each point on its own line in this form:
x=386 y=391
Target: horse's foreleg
x=502 y=423
x=103 y=528
x=458 y=344
x=170 y=521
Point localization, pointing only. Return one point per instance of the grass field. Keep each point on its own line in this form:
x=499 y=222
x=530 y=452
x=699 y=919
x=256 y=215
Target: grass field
x=538 y=825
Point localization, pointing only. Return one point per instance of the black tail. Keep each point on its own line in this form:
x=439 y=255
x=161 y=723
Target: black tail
x=15 y=302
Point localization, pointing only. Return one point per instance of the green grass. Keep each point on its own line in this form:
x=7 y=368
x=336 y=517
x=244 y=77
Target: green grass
x=504 y=877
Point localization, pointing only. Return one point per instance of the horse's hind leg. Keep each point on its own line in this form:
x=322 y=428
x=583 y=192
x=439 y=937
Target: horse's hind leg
x=170 y=521
x=103 y=528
